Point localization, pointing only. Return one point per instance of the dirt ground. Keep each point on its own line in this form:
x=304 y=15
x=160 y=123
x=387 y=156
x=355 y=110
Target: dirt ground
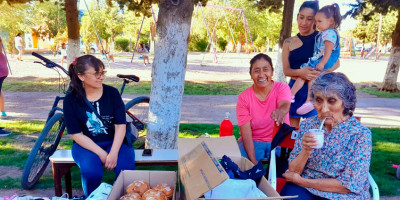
x=230 y=67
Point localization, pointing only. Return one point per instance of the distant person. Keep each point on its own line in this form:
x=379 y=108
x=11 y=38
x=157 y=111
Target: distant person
x=19 y=45
x=362 y=52
x=144 y=53
x=326 y=50
x=64 y=55
x=379 y=54
x=111 y=51
x=3 y=75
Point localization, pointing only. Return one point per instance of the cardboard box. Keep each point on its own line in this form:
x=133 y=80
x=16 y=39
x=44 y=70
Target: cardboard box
x=126 y=177
x=200 y=170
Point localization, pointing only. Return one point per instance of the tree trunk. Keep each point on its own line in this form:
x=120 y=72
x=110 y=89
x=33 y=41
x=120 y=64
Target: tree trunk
x=278 y=69
x=72 y=13
x=286 y=31
x=392 y=70
x=168 y=73
x=287 y=18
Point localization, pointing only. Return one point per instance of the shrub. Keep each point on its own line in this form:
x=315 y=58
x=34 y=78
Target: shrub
x=221 y=43
x=197 y=43
x=259 y=43
x=122 y=44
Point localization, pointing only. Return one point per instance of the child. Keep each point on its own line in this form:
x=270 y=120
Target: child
x=143 y=52
x=326 y=49
x=63 y=51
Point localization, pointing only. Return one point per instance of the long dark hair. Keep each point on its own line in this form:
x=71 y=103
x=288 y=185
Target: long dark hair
x=314 y=5
x=80 y=66
x=332 y=11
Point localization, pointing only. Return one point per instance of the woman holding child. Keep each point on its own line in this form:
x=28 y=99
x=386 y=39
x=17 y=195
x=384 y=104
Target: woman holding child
x=259 y=107
x=338 y=170
x=295 y=52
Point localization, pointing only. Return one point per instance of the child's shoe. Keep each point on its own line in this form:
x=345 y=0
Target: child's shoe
x=305 y=108
x=292 y=101
x=3 y=116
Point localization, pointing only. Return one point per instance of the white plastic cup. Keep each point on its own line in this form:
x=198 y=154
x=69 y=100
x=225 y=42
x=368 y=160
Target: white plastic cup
x=319 y=136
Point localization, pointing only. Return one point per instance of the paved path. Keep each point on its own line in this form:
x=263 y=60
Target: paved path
x=204 y=109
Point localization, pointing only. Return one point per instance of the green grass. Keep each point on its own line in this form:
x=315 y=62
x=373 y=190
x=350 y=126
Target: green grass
x=386 y=151
x=132 y=88
x=376 y=92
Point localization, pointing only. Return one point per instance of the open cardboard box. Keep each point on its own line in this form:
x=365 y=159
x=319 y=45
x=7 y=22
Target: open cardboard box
x=126 y=177
x=200 y=170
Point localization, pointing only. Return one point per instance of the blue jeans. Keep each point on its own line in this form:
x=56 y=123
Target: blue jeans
x=291 y=189
x=261 y=149
x=92 y=168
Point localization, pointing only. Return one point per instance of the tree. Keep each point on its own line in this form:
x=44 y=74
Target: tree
x=12 y=17
x=47 y=19
x=366 y=31
x=72 y=13
x=285 y=32
x=360 y=8
x=168 y=72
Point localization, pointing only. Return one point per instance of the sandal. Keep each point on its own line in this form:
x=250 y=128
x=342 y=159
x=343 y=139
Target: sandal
x=305 y=108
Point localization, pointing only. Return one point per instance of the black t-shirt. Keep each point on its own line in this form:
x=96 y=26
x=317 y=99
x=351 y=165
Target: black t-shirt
x=79 y=117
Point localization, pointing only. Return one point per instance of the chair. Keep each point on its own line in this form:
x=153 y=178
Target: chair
x=288 y=143
x=278 y=183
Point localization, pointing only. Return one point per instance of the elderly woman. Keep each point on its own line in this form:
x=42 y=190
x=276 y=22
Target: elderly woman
x=338 y=170
x=259 y=107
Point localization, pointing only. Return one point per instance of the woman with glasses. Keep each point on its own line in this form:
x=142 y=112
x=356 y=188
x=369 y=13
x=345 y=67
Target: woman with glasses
x=98 y=141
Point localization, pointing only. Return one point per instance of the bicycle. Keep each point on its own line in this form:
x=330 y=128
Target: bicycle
x=50 y=136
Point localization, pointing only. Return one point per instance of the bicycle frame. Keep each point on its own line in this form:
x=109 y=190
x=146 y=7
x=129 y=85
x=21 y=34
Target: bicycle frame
x=55 y=107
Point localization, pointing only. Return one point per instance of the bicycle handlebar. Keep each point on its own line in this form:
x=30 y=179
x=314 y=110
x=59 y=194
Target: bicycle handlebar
x=49 y=63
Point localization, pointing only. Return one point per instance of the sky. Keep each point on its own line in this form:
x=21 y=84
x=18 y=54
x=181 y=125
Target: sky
x=348 y=23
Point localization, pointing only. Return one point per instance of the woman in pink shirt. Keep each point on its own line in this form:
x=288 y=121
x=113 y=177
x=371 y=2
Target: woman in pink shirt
x=259 y=107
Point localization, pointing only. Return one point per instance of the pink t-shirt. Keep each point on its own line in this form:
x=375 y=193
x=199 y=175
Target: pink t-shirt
x=250 y=109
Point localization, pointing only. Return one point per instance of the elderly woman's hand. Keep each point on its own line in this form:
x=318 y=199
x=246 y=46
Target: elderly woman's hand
x=292 y=177
x=308 y=141
x=308 y=73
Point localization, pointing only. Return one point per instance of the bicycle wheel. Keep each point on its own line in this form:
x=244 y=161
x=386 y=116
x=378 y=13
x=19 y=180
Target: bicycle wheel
x=44 y=147
x=139 y=107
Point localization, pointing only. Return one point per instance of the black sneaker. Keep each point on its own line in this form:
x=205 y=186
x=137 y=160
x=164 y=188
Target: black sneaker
x=4 y=133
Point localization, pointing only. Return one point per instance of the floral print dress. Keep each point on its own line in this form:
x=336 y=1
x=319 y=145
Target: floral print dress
x=345 y=156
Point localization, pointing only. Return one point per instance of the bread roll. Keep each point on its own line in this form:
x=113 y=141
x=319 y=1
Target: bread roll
x=165 y=188
x=154 y=195
x=138 y=186
x=131 y=196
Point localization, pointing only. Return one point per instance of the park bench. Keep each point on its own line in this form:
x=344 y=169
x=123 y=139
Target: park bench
x=62 y=161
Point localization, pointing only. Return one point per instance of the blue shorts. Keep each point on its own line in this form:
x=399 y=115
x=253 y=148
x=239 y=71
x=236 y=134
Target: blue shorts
x=261 y=149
